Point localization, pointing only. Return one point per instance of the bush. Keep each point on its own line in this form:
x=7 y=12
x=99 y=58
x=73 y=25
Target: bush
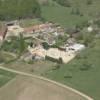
x=68 y=75
x=86 y=66
x=89 y=2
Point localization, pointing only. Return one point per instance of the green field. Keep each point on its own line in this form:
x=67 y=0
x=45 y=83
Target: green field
x=62 y=15
x=82 y=73
x=5 y=76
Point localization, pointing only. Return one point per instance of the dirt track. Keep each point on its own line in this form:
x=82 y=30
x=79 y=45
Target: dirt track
x=26 y=88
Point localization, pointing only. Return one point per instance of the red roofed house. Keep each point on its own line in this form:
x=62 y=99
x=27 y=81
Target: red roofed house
x=38 y=28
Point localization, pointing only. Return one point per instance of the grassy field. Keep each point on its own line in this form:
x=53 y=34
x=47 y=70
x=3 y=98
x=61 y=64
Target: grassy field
x=37 y=67
x=5 y=76
x=27 y=88
x=82 y=73
x=62 y=15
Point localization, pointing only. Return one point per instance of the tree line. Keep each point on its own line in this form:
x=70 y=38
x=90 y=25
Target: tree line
x=19 y=9
x=65 y=3
x=68 y=3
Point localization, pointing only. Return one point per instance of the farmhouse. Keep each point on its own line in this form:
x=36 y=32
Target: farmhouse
x=45 y=28
x=14 y=29
x=46 y=32
x=37 y=52
x=38 y=28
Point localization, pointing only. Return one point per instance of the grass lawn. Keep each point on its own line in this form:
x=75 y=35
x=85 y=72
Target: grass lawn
x=86 y=81
x=62 y=15
x=5 y=76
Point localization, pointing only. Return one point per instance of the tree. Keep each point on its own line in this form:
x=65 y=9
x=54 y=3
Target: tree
x=22 y=45
x=76 y=11
x=60 y=61
x=45 y=45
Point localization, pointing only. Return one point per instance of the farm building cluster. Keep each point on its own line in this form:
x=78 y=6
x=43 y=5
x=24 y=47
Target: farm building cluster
x=67 y=54
x=46 y=32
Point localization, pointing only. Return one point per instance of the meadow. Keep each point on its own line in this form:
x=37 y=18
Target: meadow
x=78 y=13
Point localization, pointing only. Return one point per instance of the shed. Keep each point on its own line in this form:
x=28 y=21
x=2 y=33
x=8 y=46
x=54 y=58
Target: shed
x=75 y=47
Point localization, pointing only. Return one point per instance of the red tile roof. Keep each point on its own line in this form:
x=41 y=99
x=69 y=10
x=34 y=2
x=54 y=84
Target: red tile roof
x=36 y=27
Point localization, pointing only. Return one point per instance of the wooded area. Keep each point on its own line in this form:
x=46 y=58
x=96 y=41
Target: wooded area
x=18 y=9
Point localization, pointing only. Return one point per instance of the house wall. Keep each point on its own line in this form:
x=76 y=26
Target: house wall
x=1 y=38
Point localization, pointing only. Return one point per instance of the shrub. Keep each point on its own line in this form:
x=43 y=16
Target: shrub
x=68 y=75
x=56 y=67
x=89 y=2
x=45 y=45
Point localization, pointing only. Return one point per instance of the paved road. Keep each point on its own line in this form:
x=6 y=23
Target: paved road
x=45 y=79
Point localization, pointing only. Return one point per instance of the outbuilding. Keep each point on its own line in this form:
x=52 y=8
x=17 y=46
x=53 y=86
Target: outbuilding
x=75 y=47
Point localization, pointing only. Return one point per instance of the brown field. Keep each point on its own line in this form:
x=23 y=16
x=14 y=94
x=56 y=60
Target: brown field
x=26 y=88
